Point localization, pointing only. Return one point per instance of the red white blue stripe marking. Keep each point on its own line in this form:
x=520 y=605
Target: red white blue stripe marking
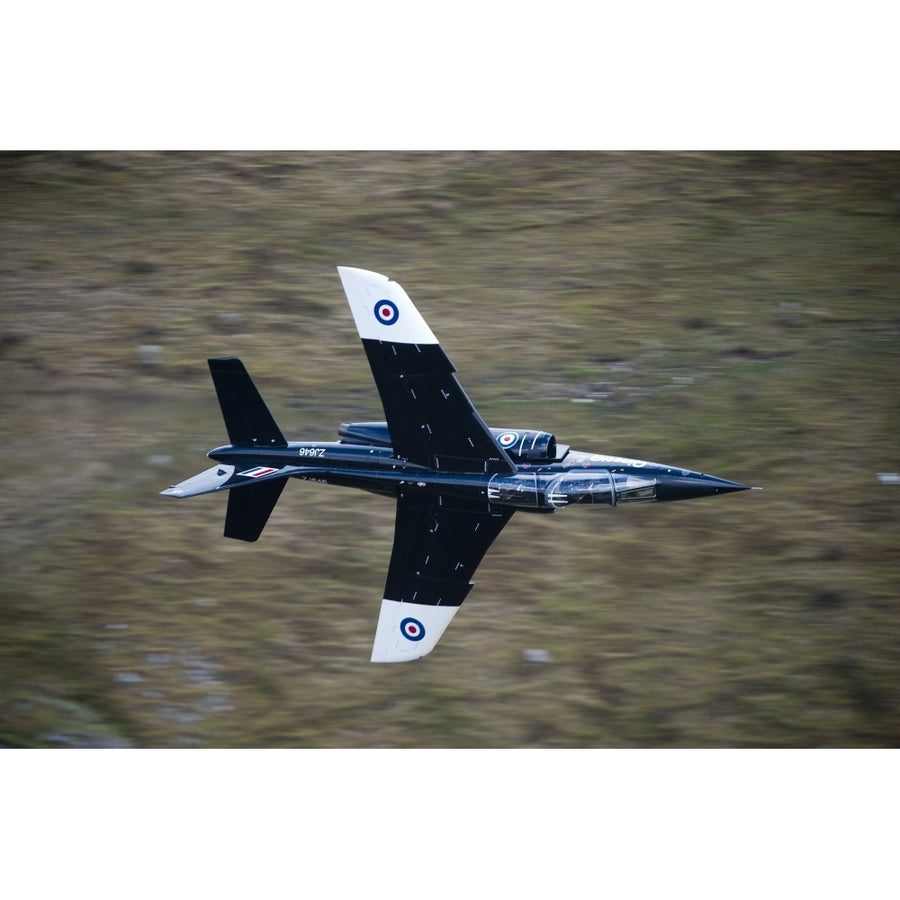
x=258 y=472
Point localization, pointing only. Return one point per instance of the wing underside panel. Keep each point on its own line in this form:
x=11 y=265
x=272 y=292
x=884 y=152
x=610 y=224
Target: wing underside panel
x=438 y=544
x=431 y=420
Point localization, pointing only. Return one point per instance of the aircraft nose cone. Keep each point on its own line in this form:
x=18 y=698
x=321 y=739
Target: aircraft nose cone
x=689 y=485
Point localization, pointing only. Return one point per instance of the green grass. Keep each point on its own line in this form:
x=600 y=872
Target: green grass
x=735 y=313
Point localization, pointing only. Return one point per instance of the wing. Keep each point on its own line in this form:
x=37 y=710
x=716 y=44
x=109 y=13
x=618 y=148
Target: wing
x=431 y=420
x=438 y=543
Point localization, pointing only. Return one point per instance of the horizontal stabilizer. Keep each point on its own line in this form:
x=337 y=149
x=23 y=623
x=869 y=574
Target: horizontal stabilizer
x=213 y=479
x=247 y=418
x=224 y=477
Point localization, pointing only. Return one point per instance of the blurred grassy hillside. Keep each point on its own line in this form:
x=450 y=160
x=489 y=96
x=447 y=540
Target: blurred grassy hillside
x=733 y=313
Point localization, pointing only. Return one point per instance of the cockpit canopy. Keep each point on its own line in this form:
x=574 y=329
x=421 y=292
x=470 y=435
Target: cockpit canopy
x=548 y=491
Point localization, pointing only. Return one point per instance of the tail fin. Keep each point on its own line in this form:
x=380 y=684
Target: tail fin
x=247 y=418
x=249 y=424
x=249 y=509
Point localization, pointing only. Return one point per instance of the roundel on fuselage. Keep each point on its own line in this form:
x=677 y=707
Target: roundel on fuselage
x=525 y=444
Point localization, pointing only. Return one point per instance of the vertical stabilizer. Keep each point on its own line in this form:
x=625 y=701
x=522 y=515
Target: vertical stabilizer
x=249 y=509
x=247 y=418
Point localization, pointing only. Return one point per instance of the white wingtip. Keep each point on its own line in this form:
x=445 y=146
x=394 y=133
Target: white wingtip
x=382 y=310
x=409 y=631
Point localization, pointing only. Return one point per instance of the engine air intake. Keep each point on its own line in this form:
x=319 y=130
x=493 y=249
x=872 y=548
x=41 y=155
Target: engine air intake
x=527 y=445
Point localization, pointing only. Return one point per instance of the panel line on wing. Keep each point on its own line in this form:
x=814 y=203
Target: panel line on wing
x=433 y=564
x=431 y=420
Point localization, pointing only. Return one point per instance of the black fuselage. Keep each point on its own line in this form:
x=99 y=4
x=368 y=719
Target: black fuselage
x=544 y=486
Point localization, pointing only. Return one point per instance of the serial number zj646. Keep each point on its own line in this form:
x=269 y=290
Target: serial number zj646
x=311 y=451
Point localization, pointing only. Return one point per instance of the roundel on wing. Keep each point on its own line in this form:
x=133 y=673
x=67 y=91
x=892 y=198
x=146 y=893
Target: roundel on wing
x=386 y=312
x=507 y=439
x=412 y=629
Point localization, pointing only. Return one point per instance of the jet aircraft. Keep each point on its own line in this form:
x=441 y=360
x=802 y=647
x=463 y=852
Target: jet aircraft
x=456 y=482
